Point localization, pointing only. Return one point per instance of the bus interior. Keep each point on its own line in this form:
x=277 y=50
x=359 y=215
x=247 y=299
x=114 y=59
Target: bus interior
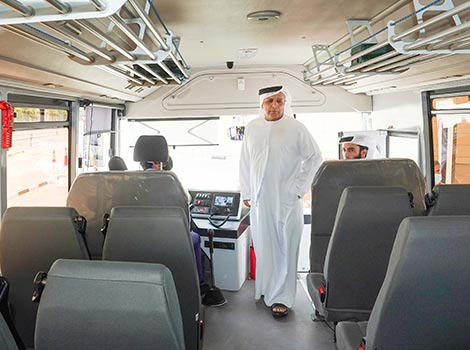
x=83 y=82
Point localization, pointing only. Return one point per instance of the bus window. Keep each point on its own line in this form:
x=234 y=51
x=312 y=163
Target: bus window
x=451 y=139
x=203 y=156
x=404 y=144
x=96 y=124
x=31 y=115
x=37 y=168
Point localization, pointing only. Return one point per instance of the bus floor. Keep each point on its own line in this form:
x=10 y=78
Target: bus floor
x=245 y=324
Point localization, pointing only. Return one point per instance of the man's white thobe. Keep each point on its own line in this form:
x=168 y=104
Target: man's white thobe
x=278 y=162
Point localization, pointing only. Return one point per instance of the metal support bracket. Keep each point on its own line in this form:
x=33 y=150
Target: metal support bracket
x=357 y=23
x=453 y=40
x=313 y=70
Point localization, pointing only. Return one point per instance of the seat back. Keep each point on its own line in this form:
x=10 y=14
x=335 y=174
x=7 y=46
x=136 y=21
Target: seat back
x=356 y=261
x=449 y=200
x=97 y=305
x=95 y=194
x=334 y=176
x=9 y=338
x=423 y=302
x=31 y=239
x=117 y=163
x=7 y=341
x=159 y=235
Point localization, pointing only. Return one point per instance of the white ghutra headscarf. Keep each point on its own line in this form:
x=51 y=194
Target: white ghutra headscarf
x=271 y=91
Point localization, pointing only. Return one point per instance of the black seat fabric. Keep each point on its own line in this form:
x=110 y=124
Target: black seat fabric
x=423 y=303
x=94 y=194
x=117 y=163
x=159 y=235
x=334 y=176
x=97 y=305
x=359 y=250
x=450 y=200
x=31 y=239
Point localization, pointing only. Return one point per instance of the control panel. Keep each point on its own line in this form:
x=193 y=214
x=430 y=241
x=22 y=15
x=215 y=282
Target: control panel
x=216 y=205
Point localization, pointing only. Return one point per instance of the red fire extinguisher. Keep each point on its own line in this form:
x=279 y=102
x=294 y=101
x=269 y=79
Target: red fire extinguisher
x=7 y=112
x=252 y=263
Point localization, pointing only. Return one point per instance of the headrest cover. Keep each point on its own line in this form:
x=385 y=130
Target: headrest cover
x=150 y=148
x=117 y=163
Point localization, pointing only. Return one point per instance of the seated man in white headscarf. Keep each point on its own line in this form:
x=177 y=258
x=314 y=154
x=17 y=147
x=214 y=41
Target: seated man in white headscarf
x=278 y=161
x=359 y=147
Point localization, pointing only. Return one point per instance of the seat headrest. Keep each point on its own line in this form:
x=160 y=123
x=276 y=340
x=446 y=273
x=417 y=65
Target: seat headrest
x=150 y=148
x=117 y=163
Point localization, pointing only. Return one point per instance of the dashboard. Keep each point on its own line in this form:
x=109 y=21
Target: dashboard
x=216 y=205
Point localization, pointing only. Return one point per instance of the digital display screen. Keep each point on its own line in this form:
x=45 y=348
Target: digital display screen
x=223 y=201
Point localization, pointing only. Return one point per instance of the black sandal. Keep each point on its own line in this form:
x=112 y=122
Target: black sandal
x=279 y=314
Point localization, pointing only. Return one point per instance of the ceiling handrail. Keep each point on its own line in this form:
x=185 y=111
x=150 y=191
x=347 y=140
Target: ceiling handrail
x=388 y=60
x=60 y=6
x=17 y=6
x=428 y=22
x=96 y=32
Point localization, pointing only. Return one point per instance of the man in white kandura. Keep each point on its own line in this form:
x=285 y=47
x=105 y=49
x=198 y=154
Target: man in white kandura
x=278 y=162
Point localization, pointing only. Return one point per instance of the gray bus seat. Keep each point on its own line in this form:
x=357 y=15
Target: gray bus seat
x=7 y=342
x=9 y=338
x=31 y=239
x=423 y=303
x=97 y=305
x=358 y=252
x=95 y=194
x=449 y=200
x=335 y=175
x=160 y=235
x=117 y=163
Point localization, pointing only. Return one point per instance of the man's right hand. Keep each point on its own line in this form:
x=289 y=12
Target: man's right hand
x=247 y=203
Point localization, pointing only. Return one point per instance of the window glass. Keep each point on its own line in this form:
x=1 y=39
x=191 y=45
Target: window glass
x=204 y=154
x=404 y=147
x=27 y=115
x=94 y=148
x=455 y=102
x=31 y=115
x=97 y=151
x=55 y=115
x=452 y=151
x=180 y=132
x=325 y=127
x=37 y=168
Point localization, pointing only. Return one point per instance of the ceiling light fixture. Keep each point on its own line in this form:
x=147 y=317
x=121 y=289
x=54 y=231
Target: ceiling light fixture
x=264 y=15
